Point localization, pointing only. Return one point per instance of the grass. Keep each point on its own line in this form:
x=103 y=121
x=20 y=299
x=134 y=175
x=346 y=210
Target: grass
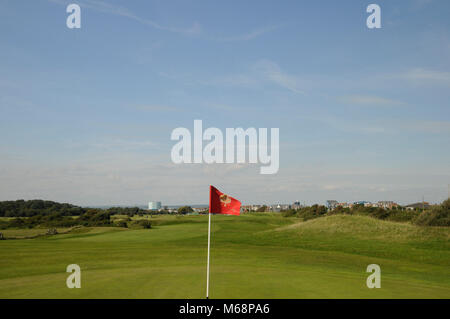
x=264 y=256
x=26 y=233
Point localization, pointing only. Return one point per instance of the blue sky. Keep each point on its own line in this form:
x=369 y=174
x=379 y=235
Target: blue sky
x=86 y=114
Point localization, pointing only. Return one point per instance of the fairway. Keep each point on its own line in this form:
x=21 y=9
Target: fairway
x=252 y=256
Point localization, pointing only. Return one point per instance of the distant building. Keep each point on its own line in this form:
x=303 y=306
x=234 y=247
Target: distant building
x=200 y=209
x=279 y=207
x=421 y=205
x=332 y=204
x=251 y=208
x=275 y=208
x=297 y=205
x=386 y=204
x=246 y=208
x=154 y=205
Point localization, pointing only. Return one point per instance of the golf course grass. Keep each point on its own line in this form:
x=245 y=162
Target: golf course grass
x=252 y=256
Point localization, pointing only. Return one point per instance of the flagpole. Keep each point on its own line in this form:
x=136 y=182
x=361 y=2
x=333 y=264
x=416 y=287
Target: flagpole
x=209 y=246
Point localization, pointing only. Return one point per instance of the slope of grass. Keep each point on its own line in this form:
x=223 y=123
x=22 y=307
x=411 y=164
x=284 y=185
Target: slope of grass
x=251 y=257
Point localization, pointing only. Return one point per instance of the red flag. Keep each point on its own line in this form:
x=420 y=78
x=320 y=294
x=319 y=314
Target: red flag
x=220 y=203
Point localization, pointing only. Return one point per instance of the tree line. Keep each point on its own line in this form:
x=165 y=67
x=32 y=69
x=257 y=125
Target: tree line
x=29 y=208
x=42 y=213
x=22 y=208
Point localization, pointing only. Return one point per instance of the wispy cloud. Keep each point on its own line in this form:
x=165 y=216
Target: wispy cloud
x=419 y=4
x=111 y=144
x=104 y=7
x=421 y=75
x=384 y=126
x=344 y=124
x=157 y=108
x=123 y=144
x=260 y=73
x=369 y=100
x=248 y=35
x=273 y=73
x=435 y=127
x=240 y=80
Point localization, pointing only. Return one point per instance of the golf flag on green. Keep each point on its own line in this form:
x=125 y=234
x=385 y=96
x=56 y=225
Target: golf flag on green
x=219 y=203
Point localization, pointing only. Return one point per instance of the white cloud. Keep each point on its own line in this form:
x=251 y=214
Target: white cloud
x=435 y=127
x=369 y=100
x=249 y=35
x=109 y=146
x=347 y=125
x=130 y=179
x=109 y=8
x=420 y=75
x=240 y=80
x=120 y=144
x=273 y=73
x=157 y=108
x=256 y=76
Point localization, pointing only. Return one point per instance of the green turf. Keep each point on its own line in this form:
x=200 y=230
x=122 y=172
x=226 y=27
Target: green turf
x=251 y=257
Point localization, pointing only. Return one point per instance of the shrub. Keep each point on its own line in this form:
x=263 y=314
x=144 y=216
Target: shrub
x=289 y=213
x=122 y=223
x=17 y=223
x=437 y=216
x=381 y=213
x=312 y=212
x=95 y=217
x=340 y=210
x=145 y=224
x=402 y=215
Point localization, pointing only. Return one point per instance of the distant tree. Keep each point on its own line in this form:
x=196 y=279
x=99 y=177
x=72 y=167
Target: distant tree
x=185 y=210
x=21 y=208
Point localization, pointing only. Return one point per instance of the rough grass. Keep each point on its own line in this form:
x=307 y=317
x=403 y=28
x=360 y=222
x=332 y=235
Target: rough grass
x=264 y=256
x=363 y=227
x=29 y=233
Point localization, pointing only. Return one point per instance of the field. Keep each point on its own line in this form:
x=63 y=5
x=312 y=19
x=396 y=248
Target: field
x=252 y=256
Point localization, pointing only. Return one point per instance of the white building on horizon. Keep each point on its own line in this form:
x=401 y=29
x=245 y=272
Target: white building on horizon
x=154 y=205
